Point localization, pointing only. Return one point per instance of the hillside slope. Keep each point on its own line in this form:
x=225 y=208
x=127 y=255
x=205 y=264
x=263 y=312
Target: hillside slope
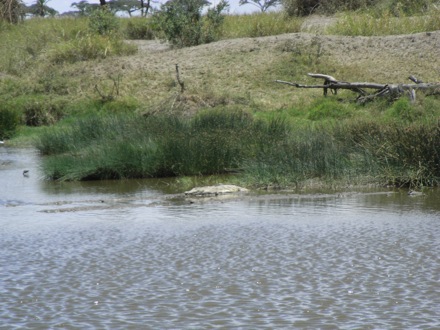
x=245 y=68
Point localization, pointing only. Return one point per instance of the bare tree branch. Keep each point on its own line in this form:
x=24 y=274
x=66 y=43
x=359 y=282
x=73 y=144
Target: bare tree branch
x=393 y=91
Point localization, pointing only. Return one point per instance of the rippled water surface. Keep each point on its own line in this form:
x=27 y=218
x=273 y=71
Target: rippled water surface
x=110 y=256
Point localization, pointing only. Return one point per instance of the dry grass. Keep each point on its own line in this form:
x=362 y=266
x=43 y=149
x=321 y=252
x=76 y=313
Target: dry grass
x=244 y=69
x=232 y=72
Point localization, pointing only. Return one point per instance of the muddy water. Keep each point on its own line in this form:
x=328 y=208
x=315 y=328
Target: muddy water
x=115 y=255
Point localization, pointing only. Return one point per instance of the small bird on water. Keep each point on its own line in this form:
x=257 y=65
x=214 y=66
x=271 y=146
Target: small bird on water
x=26 y=173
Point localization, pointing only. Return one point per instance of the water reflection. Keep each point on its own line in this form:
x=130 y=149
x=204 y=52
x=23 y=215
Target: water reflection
x=341 y=261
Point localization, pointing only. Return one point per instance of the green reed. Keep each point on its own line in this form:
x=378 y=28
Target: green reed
x=124 y=146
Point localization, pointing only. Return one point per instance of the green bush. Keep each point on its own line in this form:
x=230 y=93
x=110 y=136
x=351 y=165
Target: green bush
x=139 y=28
x=184 y=25
x=102 y=21
x=86 y=46
x=36 y=110
x=9 y=121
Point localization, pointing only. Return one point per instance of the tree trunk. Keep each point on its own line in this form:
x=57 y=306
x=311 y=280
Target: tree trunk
x=10 y=10
x=145 y=7
x=392 y=91
x=103 y=3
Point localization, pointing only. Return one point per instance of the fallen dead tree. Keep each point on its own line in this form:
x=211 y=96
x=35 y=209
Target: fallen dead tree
x=393 y=91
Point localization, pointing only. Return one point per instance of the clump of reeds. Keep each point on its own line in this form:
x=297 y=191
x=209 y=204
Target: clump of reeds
x=401 y=154
x=380 y=23
x=259 y=25
x=302 y=154
x=116 y=146
x=265 y=152
x=88 y=46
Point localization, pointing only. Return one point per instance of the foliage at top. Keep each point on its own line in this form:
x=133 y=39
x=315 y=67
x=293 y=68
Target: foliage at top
x=41 y=9
x=125 y=6
x=263 y=5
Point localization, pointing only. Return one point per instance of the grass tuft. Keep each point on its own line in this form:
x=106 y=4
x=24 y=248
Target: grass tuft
x=259 y=25
x=385 y=23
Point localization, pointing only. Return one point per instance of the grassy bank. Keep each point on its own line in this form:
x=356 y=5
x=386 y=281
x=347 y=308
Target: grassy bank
x=104 y=108
x=263 y=152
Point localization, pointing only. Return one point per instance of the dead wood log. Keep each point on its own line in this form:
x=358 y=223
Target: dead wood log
x=393 y=91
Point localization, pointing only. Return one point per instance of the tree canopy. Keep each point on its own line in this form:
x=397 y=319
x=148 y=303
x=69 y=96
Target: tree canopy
x=124 y=6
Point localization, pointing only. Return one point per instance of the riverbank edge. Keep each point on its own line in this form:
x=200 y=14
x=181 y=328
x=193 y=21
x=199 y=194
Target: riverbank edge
x=251 y=196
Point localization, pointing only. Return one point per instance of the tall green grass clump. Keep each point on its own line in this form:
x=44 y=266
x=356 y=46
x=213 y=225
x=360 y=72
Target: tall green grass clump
x=403 y=154
x=259 y=25
x=102 y=39
x=9 y=122
x=36 y=42
x=328 y=109
x=123 y=146
x=386 y=22
x=302 y=154
x=139 y=28
x=86 y=46
x=386 y=148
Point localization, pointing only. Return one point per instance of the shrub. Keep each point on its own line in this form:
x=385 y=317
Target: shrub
x=88 y=46
x=9 y=121
x=184 y=25
x=139 y=28
x=102 y=21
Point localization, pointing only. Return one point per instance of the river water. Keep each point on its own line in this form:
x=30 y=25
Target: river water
x=119 y=255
